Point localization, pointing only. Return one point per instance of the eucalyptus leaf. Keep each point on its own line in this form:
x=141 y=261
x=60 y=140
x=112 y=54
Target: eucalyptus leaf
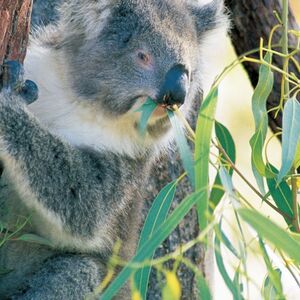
x=282 y=196
x=272 y=232
x=290 y=136
x=295 y=236
x=216 y=193
x=203 y=288
x=227 y=242
x=228 y=186
x=237 y=281
x=226 y=141
x=272 y=284
x=155 y=217
x=204 y=128
x=269 y=291
x=221 y=267
x=33 y=238
x=184 y=149
x=297 y=158
x=227 y=182
x=259 y=109
x=146 y=110
x=259 y=179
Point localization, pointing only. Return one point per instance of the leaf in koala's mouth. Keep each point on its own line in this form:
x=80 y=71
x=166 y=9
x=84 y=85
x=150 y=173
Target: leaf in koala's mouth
x=147 y=110
x=183 y=147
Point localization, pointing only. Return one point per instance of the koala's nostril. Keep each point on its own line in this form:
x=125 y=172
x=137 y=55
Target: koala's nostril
x=175 y=86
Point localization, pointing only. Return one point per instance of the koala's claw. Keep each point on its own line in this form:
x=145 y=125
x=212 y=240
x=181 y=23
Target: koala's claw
x=13 y=82
x=29 y=92
x=13 y=73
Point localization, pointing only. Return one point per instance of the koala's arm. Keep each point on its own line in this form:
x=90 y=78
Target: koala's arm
x=76 y=190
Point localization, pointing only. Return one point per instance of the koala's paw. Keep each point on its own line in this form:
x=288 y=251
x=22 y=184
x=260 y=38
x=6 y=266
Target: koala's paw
x=13 y=82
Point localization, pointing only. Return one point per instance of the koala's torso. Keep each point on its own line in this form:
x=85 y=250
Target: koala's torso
x=107 y=150
x=83 y=234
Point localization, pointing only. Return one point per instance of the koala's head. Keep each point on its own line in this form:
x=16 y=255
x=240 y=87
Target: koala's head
x=122 y=51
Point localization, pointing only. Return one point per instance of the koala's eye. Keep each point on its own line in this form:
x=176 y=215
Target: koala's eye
x=143 y=57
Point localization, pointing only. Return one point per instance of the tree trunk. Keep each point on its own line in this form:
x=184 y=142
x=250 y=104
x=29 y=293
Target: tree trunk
x=14 y=29
x=253 y=19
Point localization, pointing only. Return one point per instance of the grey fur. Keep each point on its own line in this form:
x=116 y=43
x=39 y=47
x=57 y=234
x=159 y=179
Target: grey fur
x=65 y=275
x=83 y=199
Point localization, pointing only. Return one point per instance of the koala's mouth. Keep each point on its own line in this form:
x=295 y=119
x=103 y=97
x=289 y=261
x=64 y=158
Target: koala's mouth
x=162 y=106
x=141 y=99
x=160 y=111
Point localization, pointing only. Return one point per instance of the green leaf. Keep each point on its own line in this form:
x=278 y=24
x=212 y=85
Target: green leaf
x=236 y=281
x=172 y=288
x=272 y=232
x=156 y=216
x=150 y=245
x=203 y=289
x=269 y=290
x=297 y=159
x=282 y=196
x=204 y=128
x=183 y=147
x=226 y=241
x=259 y=109
x=272 y=284
x=220 y=264
x=227 y=182
x=290 y=136
x=33 y=238
x=296 y=237
x=226 y=141
x=216 y=193
x=147 y=110
x=259 y=179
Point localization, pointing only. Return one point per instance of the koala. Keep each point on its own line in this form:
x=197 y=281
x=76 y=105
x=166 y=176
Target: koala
x=74 y=160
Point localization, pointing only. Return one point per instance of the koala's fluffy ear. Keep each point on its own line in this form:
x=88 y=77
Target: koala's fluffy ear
x=208 y=14
x=87 y=17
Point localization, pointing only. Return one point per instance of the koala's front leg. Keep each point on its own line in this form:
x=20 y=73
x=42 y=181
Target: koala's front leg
x=69 y=189
x=11 y=81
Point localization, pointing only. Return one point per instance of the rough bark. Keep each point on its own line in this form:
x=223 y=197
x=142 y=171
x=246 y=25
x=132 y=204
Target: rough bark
x=253 y=19
x=14 y=29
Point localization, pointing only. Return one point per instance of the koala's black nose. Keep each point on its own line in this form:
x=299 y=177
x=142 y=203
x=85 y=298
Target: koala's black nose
x=174 y=88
